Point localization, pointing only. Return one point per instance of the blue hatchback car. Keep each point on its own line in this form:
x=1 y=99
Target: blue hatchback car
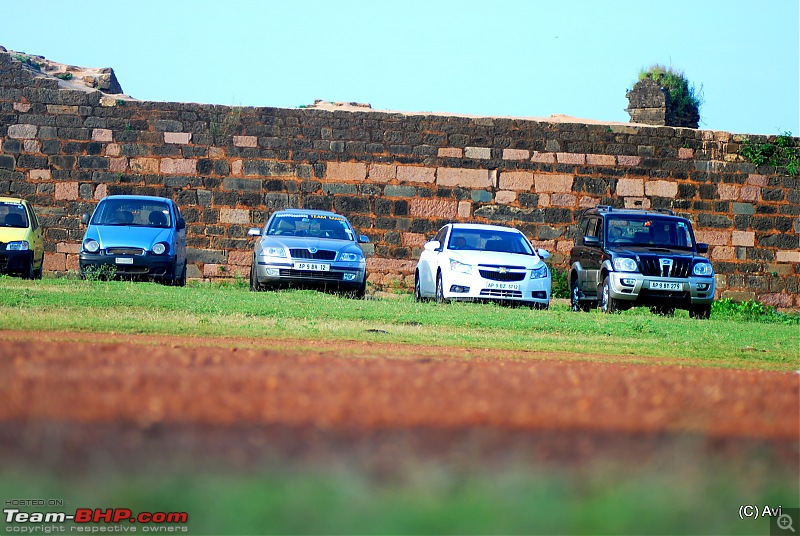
x=135 y=236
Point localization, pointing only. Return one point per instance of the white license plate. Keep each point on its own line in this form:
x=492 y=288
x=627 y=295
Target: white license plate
x=503 y=286
x=658 y=285
x=123 y=260
x=319 y=267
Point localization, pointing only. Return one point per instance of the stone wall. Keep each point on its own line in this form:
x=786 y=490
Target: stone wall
x=397 y=177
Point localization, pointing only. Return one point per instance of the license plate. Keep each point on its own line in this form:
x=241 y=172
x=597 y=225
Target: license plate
x=658 y=285
x=123 y=260
x=503 y=286
x=318 y=267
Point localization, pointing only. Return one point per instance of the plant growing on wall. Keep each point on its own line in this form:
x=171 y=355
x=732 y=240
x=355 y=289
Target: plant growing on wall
x=781 y=153
x=686 y=99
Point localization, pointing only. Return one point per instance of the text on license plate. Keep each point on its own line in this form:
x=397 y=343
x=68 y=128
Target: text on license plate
x=312 y=266
x=503 y=286
x=124 y=260
x=658 y=285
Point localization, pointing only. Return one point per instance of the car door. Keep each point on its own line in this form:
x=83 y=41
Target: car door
x=37 y=240
x=429 y=263
x=592 y=255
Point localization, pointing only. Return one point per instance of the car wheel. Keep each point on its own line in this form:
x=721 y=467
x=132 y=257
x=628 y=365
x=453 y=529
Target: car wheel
x=575 y=302
x=361 y=291
x=37 y=274
x=417 y=289
x=180 y=281
x=254 y=286
x=440 y=289
x=700 y=312
x=607 y=303
x=28 y=272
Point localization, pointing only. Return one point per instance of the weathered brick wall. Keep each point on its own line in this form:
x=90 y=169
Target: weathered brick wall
x=397 y=177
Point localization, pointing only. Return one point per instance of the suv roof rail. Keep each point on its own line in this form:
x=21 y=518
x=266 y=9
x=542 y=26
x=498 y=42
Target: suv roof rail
x=605 y=208
x=664 y=211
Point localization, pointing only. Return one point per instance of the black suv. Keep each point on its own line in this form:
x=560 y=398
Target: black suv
x=625 y=258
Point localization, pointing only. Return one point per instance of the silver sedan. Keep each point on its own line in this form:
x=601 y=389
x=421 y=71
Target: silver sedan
x=308 y=248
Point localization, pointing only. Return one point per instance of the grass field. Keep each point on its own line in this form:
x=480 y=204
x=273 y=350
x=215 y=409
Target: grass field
x=731 y=338
x=694 y=488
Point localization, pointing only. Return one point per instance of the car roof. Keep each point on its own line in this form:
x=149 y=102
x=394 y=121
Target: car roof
x=138 y=198
x=303 y=211
x=483 y=226
x=12 y=200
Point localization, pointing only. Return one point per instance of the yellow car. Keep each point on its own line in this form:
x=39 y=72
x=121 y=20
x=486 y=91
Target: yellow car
x=21 y=241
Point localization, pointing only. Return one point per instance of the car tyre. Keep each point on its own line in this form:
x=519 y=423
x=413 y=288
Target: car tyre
x=180 y=281
x=700 y=312
x=607 y=303
x=361 y=291
x=29 y=272
x=575 y=303
x=254 y=285
x=417 y=288
x=440 y=289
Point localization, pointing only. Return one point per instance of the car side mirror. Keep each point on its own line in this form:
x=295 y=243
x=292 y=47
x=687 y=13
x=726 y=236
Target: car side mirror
x=433 y=245
x=702 y=247
x=363 y=239
x=85 y=218
x=180 y=224
x=543 y=253
x=591 y=241
x=254 y=231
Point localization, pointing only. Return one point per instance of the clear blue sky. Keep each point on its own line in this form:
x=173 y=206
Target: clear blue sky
x=489 y=57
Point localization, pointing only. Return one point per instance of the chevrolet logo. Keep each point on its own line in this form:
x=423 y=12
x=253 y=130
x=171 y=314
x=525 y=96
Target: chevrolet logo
x=502 y=270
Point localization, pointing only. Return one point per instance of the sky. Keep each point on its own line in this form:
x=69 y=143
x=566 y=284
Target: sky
x=513 y=58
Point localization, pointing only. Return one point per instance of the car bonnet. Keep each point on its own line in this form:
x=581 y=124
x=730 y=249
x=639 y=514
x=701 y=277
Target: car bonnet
x=127 y=236
x=476 y=257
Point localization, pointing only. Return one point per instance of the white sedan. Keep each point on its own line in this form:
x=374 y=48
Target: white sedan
x=482 y=262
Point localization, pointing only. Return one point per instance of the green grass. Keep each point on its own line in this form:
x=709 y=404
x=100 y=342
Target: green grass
x=673 y=498
x=732 y=338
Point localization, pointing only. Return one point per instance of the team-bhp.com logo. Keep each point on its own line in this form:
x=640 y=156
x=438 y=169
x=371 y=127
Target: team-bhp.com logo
x=96 y=515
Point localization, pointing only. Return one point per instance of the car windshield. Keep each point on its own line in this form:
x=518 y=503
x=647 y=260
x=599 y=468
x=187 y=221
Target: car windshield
x=489 y=240
x=311 y=225
x=13 y=215
x=649 y=233
x=132 y=212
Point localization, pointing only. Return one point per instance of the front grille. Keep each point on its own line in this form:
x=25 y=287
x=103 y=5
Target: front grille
x=311 y=274
x=3 y=262
x=320 y=254
x=502 y=276
x=651 y=266
x=125 y=251
x=495 y=293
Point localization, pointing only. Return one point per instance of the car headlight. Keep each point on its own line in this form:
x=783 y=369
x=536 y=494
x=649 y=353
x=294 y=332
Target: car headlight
x=703 y=269
x=91 y=246
x=273 y=252
x=625 y=264
x=350 y=257
x=160 y=248
x=456 y=266
x=18 y=245
x=539 y=273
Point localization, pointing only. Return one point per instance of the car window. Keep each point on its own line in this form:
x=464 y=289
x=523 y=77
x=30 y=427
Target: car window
x=13 y=215
x=489 y=240
x=326 y=226
x=649 y=232
x=132 y=212
x=33 y=218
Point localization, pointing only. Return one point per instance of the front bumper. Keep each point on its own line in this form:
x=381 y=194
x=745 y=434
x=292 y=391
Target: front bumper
x=346 y=275
x=147 y=265
x=15 y=262
x=641 y=289
x=460 y=286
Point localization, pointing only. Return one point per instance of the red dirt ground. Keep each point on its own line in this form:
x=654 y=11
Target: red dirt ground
x=72 y=397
